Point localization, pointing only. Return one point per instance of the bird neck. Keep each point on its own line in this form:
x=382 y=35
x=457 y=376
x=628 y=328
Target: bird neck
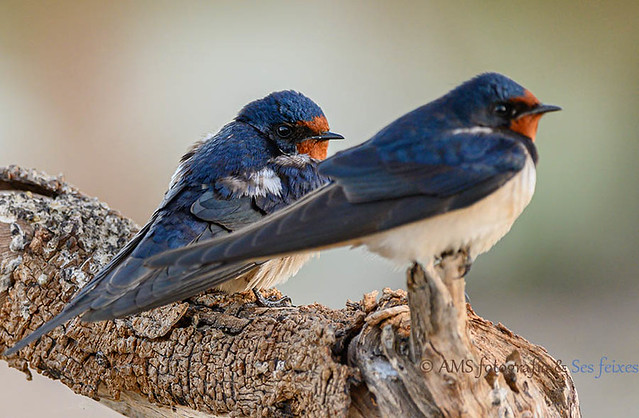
x=525 y=141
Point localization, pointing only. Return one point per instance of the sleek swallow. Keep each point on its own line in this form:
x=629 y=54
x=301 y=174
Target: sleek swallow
x=452 y=175
x=260 y=162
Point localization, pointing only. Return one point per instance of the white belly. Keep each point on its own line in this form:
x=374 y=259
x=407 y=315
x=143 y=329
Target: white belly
x=269 y=274
x=477 y=227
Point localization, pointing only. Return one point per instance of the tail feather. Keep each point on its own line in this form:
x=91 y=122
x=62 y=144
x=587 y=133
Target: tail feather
x=157 y=291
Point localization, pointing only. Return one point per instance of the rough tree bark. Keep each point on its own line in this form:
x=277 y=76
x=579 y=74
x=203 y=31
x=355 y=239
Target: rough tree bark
x=219 y=354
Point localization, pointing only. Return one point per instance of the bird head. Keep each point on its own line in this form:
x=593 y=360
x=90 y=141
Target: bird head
x=494 y=101
x=292 y=121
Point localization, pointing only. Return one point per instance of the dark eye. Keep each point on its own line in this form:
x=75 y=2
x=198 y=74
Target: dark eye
x=504 y=110
x=284 y=131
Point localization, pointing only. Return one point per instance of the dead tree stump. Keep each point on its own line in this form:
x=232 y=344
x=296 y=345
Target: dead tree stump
x=219 y=354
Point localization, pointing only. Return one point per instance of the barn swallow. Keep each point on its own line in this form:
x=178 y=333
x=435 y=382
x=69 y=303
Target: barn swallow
x=265 y=159
x=450 y=176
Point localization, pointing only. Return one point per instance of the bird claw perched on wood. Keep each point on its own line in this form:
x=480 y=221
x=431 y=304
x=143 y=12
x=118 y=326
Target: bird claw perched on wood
x=461 y=258
x=283 y=302
x=219 y=354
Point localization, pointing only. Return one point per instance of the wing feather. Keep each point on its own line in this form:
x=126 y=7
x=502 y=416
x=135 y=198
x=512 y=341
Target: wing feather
x=370 y=193
x=441 y=167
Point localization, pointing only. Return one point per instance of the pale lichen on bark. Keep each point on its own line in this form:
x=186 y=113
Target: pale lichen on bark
x=219 y=354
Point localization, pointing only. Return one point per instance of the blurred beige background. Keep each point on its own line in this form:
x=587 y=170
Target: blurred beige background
x=112 y=93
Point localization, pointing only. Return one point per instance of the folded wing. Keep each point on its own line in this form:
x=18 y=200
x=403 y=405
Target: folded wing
x=374 y=189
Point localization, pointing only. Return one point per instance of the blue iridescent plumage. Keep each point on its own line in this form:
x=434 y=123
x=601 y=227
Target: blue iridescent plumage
x=249 y=169
x=433 y=170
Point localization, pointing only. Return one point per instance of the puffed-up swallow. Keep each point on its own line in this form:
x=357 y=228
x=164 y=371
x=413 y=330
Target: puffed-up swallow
x=452 y=175
x=265 y=159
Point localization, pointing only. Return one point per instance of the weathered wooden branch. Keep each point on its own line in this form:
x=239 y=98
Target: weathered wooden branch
x=219 y=354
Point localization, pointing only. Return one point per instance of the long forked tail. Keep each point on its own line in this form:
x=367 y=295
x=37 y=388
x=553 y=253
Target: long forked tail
x=68 y=313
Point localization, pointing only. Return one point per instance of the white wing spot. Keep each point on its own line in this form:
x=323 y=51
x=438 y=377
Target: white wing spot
x=265 y=182
x=258 y=183
x=474 y=130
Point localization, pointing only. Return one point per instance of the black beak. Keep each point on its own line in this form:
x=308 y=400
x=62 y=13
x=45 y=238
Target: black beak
x=326 y=136
x=541 y=108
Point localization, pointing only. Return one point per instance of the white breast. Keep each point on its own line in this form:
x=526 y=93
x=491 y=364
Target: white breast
x=477 y=227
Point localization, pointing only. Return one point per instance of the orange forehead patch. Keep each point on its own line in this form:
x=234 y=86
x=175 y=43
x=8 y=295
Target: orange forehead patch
x=528 y=98
x=318 y=124
x=313 y=148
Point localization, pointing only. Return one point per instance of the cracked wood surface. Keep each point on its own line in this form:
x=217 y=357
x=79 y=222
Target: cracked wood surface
x=219 y=355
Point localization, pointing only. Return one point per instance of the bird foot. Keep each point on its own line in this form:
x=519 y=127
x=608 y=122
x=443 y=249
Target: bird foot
x=284 y=302
x=466 y=260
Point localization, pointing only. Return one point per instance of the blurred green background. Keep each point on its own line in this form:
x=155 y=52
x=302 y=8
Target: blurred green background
x=112 y=93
